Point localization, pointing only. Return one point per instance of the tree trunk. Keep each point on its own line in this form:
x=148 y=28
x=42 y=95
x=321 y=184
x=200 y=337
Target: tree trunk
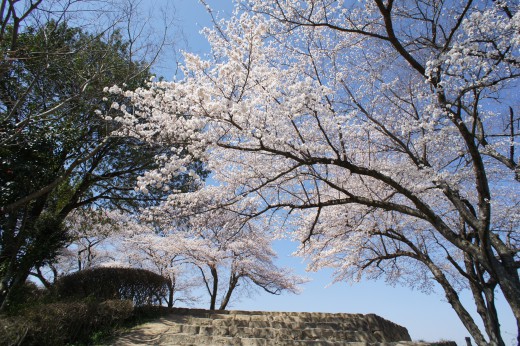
x=233 y=280
x=494 y=333
x=453 y=299
x=214 y=292
x=17 y=283
x=505 y=272
x=4 y=289
x=484 y=298
x=511 y=291
x=7 y=281
x=46 y=283
x=171 y=288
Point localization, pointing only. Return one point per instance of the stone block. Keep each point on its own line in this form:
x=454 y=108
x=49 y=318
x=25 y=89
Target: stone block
x=256 y=328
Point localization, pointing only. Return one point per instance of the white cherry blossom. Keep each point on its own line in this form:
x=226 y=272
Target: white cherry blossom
x=383 y=135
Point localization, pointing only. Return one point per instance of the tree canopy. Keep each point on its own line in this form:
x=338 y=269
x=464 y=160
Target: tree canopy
x=383 y=135
x=57 y=153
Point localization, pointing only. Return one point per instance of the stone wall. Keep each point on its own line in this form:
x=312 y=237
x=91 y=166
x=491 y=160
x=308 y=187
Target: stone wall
x=257 y=328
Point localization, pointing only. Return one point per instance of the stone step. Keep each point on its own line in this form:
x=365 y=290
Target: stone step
x=249 y=328
x=195 y=311
x=185 y=339
x=348 y=325
x=275 y=333
x=280 y=317
x=243 y=319
x=342 y=321
x=285 y=319
x=333 y=331
x=198 y=340
x=219 y=314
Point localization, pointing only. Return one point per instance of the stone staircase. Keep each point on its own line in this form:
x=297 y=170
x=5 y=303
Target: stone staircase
x=257 y=328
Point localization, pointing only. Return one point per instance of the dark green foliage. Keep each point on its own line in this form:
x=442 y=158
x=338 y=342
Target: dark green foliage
x=48 y=98
x=55 y=155
x=82 y=308
x=62 y=323
x=26 y=296
x=140 y=286
x=56 y=152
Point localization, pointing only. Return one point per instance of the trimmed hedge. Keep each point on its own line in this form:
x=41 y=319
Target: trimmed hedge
x=140 y=286
x=83 y=306
x=62 y=323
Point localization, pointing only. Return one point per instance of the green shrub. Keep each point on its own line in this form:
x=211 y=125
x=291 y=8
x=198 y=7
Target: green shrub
x=141 y=286
x=63 y=323
x=27 y=295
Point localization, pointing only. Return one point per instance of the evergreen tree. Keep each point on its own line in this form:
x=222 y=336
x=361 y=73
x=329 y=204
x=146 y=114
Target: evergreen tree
x=56 y=153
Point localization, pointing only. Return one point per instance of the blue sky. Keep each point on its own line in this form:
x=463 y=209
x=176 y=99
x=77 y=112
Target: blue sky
x=427 y=317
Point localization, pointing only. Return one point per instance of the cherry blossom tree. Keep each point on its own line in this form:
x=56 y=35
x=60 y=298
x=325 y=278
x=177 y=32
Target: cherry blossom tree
x=218 y=251
x=108 y=238
x=89 y=233
x=383 y=135
x=230 y=253
x=141 y=246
